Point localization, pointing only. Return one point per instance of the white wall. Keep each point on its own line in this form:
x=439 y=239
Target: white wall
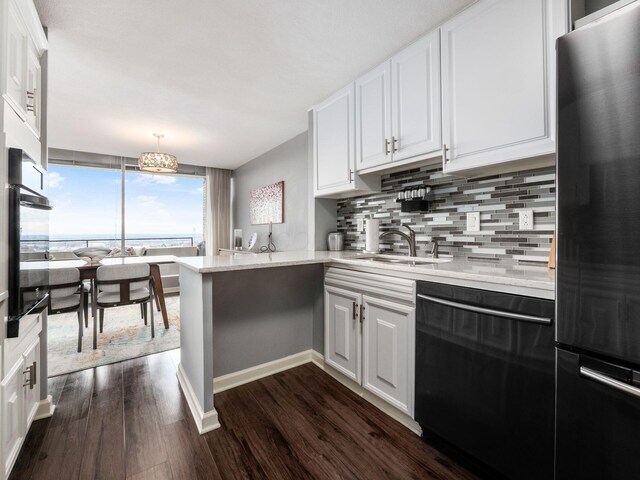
x=287 y=162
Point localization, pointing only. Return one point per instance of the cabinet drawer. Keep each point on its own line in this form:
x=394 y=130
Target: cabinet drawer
x=398 y=289
x=14 y=348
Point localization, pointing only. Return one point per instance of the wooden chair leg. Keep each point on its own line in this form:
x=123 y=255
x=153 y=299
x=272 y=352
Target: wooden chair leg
x=143 y=306
x=80 y=330
x=95 y=331
x=101 y=319
x=142 y=311
x=80 y=321
x=153 y=328
x=94 y=307
x=85 y=309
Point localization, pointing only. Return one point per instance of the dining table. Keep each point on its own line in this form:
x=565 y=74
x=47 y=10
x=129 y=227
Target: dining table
x=88 y=271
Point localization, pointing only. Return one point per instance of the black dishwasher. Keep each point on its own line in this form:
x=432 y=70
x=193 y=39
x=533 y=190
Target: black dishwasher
x=485 y=378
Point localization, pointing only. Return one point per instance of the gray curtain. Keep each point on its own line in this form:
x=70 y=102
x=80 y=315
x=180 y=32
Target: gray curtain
x=218 y=210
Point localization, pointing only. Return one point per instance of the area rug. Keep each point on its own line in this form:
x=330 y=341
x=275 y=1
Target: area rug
x=124 y=336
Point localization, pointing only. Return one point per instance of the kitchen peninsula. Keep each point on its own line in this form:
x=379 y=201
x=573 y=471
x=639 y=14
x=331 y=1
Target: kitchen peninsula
x=247 y=316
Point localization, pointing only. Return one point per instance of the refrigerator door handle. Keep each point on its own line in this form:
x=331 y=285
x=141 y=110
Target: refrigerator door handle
x=488 y=311
x=610 y=382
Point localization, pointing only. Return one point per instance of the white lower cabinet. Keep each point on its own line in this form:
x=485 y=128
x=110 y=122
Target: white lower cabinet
x=371 y=339
x=13 y=425
x=388 y=351
x=31 y=389
x=342 y=331
x=19 y=396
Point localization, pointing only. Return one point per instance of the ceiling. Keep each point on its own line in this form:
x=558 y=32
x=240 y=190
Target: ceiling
x=223 y=80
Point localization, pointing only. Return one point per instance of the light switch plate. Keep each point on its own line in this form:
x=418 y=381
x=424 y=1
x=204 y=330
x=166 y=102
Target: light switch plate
x=526 y=219
x=360 y=224
x=473 y=221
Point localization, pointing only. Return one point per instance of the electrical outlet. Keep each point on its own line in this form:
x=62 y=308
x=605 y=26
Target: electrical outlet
x=526 y=219
x=360 y=224
x=473 y=221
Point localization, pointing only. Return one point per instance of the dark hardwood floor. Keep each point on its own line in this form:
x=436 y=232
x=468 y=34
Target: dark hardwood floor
x=130 y=420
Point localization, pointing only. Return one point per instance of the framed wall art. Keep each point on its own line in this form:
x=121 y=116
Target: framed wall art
x=266 y=204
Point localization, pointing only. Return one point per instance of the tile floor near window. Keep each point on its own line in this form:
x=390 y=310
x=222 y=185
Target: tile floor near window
x=130 y=420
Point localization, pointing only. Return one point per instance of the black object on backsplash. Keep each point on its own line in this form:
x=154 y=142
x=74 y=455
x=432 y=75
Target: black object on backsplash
x=415 y=199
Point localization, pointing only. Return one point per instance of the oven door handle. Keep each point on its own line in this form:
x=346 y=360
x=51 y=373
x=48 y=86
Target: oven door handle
x=35 y=201
x=41 y=306
x=488 y=311
x=610 y=382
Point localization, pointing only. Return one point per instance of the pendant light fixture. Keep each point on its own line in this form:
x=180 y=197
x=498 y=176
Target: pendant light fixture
x=158 y=162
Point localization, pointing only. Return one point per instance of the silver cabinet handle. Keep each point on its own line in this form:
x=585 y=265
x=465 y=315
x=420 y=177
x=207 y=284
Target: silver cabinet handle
x=355 y=306
x=31 y=107
x=610 y=382
x=444 y=152
x=395 y=142
x=488 y=311
x=31 y=371
x=350 y=176
x=387 y=145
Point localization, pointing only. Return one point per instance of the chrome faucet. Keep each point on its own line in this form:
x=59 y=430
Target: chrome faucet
x=410 y=238
x=434 y=249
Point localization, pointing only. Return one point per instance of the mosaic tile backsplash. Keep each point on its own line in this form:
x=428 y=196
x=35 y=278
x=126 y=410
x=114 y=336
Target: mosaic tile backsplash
x=498 y=198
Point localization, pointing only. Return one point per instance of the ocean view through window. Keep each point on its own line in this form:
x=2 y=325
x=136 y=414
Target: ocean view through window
x=160 y=210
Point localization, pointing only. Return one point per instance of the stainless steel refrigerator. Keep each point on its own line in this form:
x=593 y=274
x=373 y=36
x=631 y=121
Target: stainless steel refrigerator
x=598 y=241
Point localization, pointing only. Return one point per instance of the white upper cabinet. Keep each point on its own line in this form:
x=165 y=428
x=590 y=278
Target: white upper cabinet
x=334 y=147
x=398 y=106
x=22 y=46
x=498 y=82
x=415 y=98
x=373 y=117
x=33 y=91
x=16 y=60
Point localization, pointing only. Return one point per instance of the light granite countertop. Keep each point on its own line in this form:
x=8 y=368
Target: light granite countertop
x=506 y=276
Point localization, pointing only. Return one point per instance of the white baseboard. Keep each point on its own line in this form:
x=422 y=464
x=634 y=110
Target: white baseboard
x=45 y=408
x=318 y=359
x=205 y=421
x=235 y=379
x=393 y=412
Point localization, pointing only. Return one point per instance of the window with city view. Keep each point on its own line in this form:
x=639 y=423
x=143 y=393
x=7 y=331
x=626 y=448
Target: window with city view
x=160 y=210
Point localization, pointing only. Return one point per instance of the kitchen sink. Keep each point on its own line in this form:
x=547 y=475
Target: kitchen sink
x=404 y=260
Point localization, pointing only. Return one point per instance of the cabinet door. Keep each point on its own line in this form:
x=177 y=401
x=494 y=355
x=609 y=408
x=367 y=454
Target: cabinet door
x=16 y=61
x=334 y=145
x=415 y=99
x=13 y=426
x=33 y=91
x=342 y=335
x=31 y=395
x=389 y=352
x=498 y=90
x=373 y=117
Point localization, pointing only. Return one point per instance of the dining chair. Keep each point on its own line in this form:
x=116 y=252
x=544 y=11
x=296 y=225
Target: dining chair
x=118 y=285
x=68 y=294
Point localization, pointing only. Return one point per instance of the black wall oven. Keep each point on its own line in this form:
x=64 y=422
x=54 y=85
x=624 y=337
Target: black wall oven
x=28 y=239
